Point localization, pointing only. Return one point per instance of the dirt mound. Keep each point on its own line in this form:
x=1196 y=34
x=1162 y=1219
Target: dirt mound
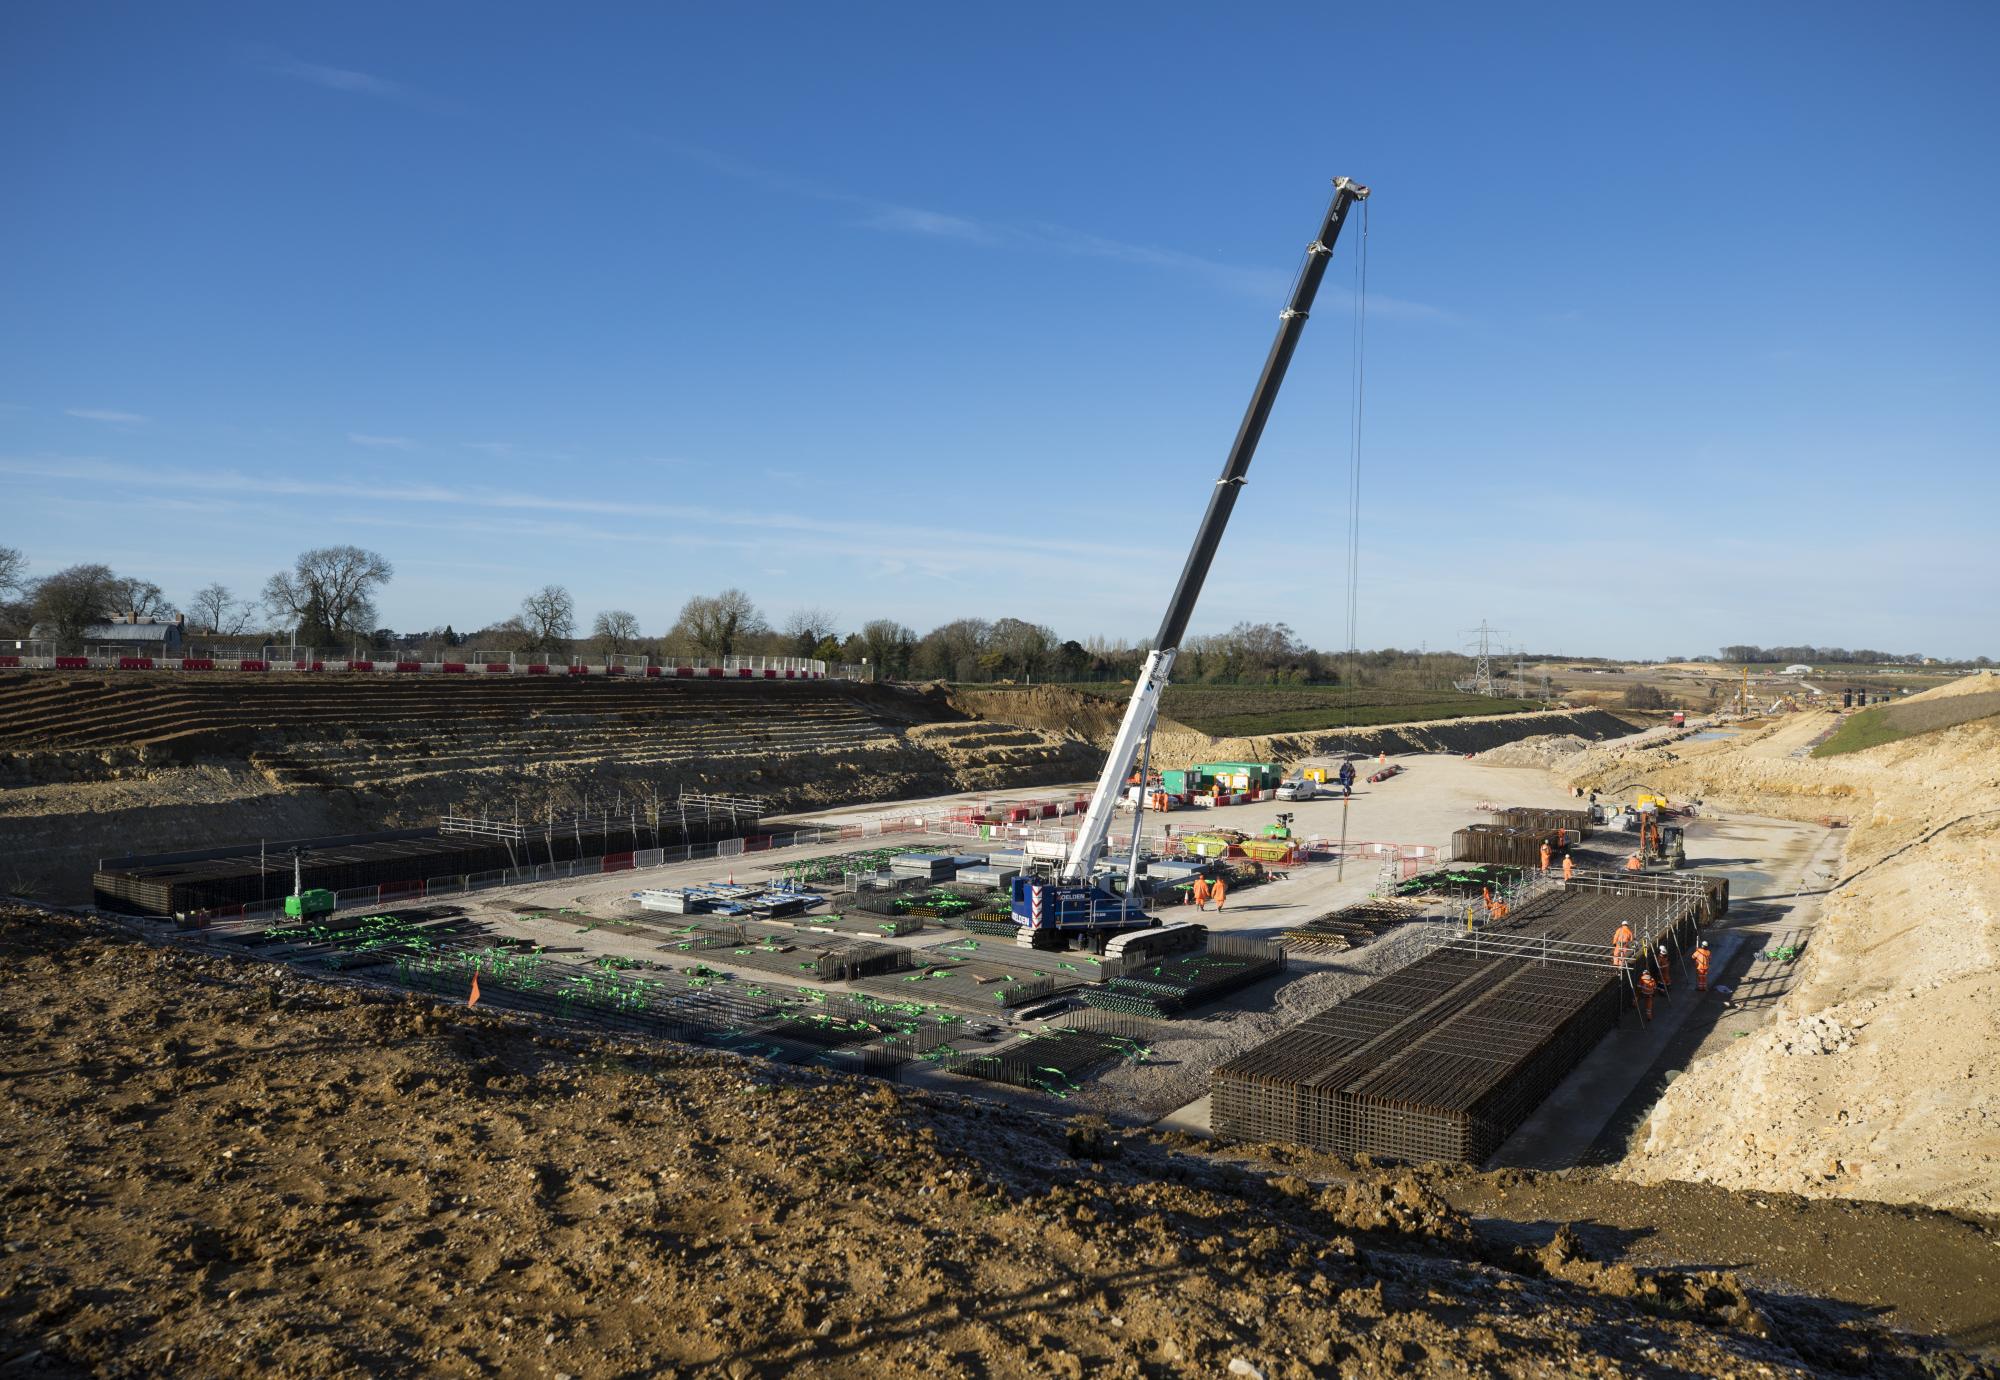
x=1093 y=718
x=263 y=1175
x=1544 y=750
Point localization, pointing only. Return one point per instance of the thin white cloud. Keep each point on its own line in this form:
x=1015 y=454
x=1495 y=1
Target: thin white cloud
x=382 y=442
x=327 y=78
x=914 y=220
x=865 y=536
x=105 y=414
x=1044 y=236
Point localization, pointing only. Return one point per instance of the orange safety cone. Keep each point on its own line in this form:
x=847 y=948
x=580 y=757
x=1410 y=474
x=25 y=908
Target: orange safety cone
x=473 y=1000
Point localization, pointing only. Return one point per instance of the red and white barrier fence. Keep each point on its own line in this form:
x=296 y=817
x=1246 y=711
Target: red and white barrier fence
x=276 y=660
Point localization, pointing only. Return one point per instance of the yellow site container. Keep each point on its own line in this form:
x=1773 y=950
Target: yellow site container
x=1316 y=774
x=1267 y=850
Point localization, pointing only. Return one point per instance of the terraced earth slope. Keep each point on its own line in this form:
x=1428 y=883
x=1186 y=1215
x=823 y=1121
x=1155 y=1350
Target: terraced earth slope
x=97 y=765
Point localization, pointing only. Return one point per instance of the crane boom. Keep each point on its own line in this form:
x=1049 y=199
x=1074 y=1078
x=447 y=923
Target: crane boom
x=1144 y=706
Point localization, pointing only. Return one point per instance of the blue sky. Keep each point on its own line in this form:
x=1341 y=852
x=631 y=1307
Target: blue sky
x=1682 y=324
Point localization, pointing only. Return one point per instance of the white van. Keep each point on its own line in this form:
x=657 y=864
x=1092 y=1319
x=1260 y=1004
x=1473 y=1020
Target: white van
x=1298 y=789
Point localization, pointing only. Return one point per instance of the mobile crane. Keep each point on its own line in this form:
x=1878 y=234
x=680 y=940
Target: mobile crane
x=1076 y=904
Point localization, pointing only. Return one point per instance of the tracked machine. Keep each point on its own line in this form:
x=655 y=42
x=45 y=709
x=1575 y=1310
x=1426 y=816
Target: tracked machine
x=1087 y=902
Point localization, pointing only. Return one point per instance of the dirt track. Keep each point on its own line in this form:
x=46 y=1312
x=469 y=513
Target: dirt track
x=270 y=1176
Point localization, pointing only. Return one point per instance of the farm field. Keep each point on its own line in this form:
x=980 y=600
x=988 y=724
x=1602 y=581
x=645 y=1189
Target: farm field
x=1242 y=711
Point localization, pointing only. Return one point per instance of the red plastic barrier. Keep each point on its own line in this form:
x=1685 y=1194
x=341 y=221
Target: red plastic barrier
x=617 y=862
x=743 y=673
x=538 y=670
x=1051 y=811
x=360 y=665
x=614 y=670
x=72 y=663
x=579 y=670
x=452 y=668
x=409 y=666
x=655 y=670
x=756 y=843
x=687 y=671
x=135 y=663
x=253 y=665
x=10 y=661
x=770 y=673
x=497 y=668
x=715 y=671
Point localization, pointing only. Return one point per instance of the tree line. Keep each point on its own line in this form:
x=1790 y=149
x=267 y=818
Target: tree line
x=1831 y=656
x=327 y=599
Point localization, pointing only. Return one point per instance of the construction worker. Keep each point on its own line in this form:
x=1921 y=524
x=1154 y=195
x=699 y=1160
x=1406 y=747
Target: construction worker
x=1499 y=910
x=1569 y=868
x=1486 y=894
x=1701 y=966
x=1621 y=944
x=1548 y=855
x=1347 y=778
x=1647 y=990
x=1383 y=760
x=1221 y=893
x=1201 y=893
x=1632 y=864
x=1665 y=965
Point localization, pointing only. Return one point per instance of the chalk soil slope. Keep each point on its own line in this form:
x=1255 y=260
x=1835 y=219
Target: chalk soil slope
x=1876 y=1079
x=217 y=1168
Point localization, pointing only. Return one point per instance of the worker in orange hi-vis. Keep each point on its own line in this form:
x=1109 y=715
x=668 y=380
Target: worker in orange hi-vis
x=1647 y=989
x=1701 y=966
x=1201 y=893
x=1548 y=855
x=1569 y=868
x=1666 y=966
x=1499 y=910
x=1221 y=894
x=1632 y=864
x=1621 y=944
x=1486 y=894
x=473 y=1000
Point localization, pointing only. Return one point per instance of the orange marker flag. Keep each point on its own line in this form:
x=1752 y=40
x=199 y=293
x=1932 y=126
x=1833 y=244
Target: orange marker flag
x=473 y=1000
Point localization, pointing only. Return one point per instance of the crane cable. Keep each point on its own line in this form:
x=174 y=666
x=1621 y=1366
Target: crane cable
x=1359 y=384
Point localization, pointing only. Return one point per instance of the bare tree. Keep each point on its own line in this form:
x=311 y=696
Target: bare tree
x=549 y=614
x=807 y=628
x=614 y=630
x=328 y=593
x=214 y=609
x=141 y=598
x=714 y=624
x=13 y=570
